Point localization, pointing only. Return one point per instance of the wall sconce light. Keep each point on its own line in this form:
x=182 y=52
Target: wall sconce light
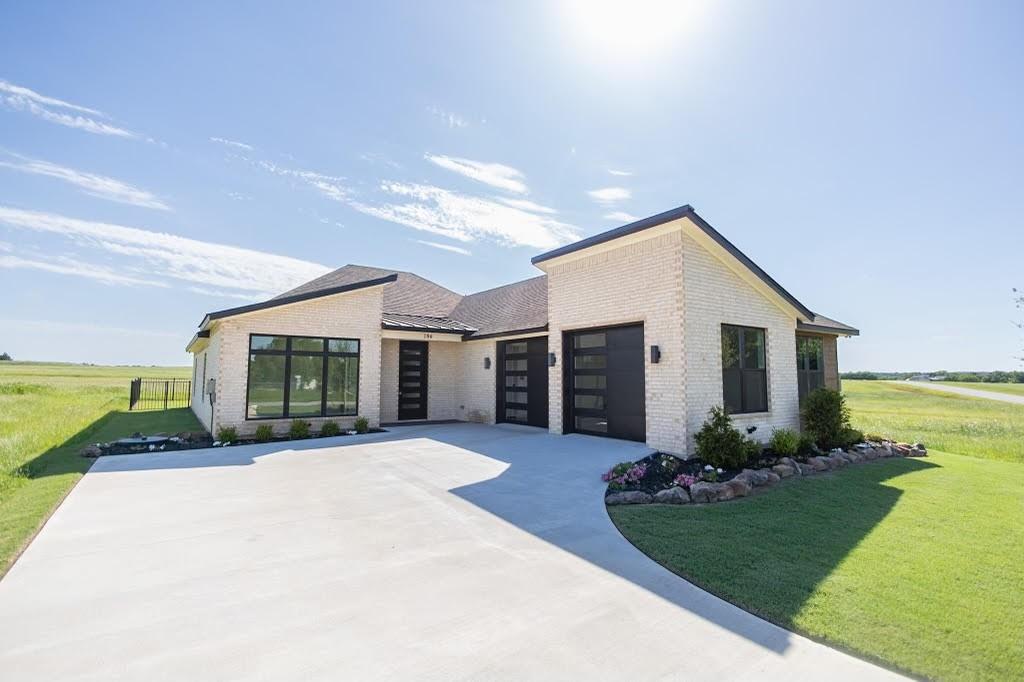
x=655 y=355
x=487 y=363
x=551 y=359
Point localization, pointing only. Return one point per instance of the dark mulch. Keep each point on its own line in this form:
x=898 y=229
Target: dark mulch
x=662 y=468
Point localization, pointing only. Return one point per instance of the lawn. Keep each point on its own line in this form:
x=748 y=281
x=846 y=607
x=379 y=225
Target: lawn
x=944 y=421
x=47 y=412
x=912 y=562
x=1011 y=389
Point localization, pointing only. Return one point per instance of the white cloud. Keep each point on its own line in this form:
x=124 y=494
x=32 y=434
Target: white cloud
x=329 y=185
x=610 y=195
x=87 y=328
x=620 y=173
x=451 y=119
x=238 y=196
x=466 y=218
x=445 y=247
x=22 y=99
x=621 y=216
x=493 y=174
x=232 y=143
x=99 y=186
x=163 y=256
x=527 y=205
x=68 y=266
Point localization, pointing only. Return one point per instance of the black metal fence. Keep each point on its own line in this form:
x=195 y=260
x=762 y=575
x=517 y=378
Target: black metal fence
x=159 y=394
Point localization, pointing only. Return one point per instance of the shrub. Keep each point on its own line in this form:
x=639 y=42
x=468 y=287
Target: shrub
x=825 y=415
x=329 y=429
x=298 y=429
x=361 y=425
x=624 y=473
x=264 y=433
x=849 y=437
x=784 y=442
x=805 y=446
x=720 y=445
x=227 y=434
x=875 y=437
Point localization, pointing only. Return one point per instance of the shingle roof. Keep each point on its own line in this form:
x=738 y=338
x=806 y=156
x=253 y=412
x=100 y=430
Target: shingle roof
x=424 y=322
x=513 y=307
x=820 y=323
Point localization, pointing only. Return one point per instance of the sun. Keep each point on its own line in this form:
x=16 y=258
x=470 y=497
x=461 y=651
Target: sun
x=635 y=27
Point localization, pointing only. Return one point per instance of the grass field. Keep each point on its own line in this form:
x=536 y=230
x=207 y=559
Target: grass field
x=47 y=412
x=944 y=421
x=911 y=562
x=1010 y=389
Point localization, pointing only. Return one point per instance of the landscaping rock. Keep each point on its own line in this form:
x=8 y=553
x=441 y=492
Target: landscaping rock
x=628 y=497
x=725 y=492
x=792 y=464
x=903 y=449
x=753 y=477
x=783 y=470
x=773 y=478
x=702 y=491
x=673 y=495
x=871 y=454
x=818 y=463
x=918 y=450
x=855 y=457
x=740 y=488
x=90 y=451
x=837 y=460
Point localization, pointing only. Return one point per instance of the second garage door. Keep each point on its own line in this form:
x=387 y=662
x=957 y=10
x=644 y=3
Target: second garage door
x=605 y=382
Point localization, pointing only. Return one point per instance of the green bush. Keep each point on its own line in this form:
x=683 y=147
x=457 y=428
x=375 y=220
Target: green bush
x=329 y=429
x=227 y=434
x=805 y=446
x=361 y=425
x=264 y=433
x=298 y=429
x=875 y=437
x=720 y=445
x=825 y=416
x=849 y=437
x=784 y=442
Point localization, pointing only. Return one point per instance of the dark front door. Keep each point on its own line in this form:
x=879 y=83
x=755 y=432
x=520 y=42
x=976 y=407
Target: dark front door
x=412 y=380
x=604 y=392
x=523 y=382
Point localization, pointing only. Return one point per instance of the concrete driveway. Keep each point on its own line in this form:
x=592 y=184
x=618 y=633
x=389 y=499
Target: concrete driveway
x=431 y=552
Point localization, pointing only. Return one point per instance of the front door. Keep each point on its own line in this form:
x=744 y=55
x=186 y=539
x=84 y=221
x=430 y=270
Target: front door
x=523 y=381
x=412 y=380
x=605 y=382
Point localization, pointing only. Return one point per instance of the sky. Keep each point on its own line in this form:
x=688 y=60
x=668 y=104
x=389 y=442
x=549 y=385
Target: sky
x=161 y=161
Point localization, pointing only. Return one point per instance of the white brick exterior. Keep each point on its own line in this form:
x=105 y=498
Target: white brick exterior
x=350 y=315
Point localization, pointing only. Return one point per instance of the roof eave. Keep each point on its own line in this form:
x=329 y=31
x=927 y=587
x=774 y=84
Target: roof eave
x=822 y=329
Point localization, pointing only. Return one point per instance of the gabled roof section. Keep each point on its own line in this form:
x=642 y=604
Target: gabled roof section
x=518 y=307
x=410 y=294
x=685 y=211
x=826 y=325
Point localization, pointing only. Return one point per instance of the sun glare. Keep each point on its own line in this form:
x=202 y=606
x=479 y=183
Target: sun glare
x=634 y=27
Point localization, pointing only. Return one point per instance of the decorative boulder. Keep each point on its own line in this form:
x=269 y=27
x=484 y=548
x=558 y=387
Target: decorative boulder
x=792 y=464
x=753 y=477
x=673 y=495
x=818 y=463
x=918 y=450
x=90 y=451
x=702 y=491
x=783 y=470
x=836 y=460
x=903 y=450
x=725 y=492
x=855 y=457
x=773 y=478
x=628 y=497
x=739 y=488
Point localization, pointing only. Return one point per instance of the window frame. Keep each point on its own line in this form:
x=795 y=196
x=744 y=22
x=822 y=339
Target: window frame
x=742 y=370
x=288 y=353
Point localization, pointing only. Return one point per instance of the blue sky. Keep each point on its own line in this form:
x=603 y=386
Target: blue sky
x=160 y=162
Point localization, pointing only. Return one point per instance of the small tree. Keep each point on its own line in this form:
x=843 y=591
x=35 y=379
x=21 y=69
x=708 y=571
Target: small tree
x=826 y=417
x=720 y=445
x=5 y=357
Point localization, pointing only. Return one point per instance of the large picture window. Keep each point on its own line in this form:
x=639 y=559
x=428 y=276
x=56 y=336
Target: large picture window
x=744 y=374
x=302 y=376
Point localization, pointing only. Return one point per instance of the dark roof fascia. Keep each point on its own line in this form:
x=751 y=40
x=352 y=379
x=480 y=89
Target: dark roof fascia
x=685 y=211
x=837 y=331
x=203 y=334
x=275 y=302
x=625 y=230
x=513 y=332
x=423 y=330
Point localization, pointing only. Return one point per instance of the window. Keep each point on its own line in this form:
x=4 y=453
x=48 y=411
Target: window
x=744 y=375
x=810 y=364
x=300 y=376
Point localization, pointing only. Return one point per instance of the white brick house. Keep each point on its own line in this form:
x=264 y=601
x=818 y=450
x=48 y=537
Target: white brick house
x=633 y=333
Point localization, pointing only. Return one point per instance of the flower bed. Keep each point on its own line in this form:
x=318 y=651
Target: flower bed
x=665 y=479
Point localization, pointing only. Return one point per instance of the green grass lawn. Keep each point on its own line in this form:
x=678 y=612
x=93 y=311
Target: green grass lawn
x=912 y=562
x=945 y=421
x=1011 y=389
x=47 y=413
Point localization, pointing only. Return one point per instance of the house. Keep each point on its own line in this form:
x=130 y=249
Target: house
x=633 y=333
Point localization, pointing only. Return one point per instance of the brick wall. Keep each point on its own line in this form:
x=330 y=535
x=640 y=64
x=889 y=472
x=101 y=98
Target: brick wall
x=389 y=380
x=829 y=346
x=476 y=389
x=444 y=367
x=716 y=295
x=355 y=314
x=638 y=282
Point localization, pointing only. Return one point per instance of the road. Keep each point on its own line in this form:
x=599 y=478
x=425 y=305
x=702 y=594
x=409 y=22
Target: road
x=971 y=392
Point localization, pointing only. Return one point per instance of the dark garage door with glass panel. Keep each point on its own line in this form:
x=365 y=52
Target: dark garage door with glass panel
x=523 y=382
x=605 y=382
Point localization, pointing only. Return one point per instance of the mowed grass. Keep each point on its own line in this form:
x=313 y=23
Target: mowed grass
x=915 y=563
x=1009 y=389
x=944 y=421
x=47 y=413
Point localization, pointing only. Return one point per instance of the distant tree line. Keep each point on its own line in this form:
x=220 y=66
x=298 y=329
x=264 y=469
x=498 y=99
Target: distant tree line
x=997 y=377
x=5 y=357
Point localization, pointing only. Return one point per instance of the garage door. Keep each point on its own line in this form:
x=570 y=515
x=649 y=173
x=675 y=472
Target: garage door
x=605 y=382
x=523 y=382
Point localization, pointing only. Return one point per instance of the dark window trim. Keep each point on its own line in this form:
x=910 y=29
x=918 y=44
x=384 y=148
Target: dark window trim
x=287 y=354
x=743 y=370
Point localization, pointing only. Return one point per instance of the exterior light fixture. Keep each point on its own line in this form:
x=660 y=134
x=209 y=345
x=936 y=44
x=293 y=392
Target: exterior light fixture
x=487 y=363
x=655 y=355
x=551 y=359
